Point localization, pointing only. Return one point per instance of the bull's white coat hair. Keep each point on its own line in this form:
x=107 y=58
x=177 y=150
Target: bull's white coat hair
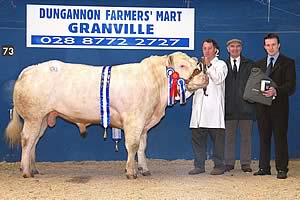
x=138 y=99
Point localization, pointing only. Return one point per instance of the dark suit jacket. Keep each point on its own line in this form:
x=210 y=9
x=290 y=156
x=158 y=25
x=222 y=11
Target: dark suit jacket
x=236 y=108
x=284 y=75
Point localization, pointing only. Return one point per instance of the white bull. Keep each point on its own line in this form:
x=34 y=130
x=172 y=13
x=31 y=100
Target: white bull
x=138 y=99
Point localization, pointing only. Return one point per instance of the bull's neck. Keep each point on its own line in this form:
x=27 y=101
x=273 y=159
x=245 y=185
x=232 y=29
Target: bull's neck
x=158 y=65
x=164 y=88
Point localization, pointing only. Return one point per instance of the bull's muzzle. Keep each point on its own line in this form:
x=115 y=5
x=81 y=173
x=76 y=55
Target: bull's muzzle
x=197 y=80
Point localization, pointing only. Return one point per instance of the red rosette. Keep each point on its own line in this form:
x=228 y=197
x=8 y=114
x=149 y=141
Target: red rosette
x=175 y=77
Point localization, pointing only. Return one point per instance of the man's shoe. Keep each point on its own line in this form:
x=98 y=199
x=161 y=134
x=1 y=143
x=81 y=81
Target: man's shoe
x=217 y=171
x=281 y=174
x=196 y=171
x=262 y=172
x=246 y=168
x=228 y=168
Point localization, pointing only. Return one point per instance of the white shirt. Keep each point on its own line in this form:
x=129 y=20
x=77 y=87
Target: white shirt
x=209 y=111
x=238 y=62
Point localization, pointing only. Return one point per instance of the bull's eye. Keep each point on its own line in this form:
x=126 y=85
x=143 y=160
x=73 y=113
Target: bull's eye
x=181 y=66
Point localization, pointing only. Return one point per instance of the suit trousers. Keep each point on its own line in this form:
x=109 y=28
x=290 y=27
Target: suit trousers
x=268 y=124
x=232 y=127
x=199 y=141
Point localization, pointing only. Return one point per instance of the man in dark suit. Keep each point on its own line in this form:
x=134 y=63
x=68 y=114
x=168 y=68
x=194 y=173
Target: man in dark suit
x=274 y=118
x=239 y=114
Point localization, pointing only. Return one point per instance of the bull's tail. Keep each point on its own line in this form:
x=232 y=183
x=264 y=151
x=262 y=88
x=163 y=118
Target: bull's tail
x=13 y=129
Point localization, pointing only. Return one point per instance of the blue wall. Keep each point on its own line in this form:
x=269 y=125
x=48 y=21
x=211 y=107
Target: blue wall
x=171 y=138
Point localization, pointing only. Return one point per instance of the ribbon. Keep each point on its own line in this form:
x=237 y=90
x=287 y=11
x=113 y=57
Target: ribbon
x=104 y=98
x=173 y=82
x=116 y=136
x=104 y=106
x=175 y=77
x=170 y=70
x=181 y=84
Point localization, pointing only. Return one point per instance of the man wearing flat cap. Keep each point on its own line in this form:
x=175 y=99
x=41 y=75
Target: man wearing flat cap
x=239 y=114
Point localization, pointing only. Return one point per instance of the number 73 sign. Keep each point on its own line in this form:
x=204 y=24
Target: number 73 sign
x=7 y=50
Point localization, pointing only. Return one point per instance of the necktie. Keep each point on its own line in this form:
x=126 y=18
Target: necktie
x=270 y=66
x=234 y=68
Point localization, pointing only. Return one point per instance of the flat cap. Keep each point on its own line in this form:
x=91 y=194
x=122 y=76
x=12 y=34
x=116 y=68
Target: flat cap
x=234 y=40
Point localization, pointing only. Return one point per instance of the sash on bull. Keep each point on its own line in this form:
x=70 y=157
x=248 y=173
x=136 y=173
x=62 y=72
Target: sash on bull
x=58 y=92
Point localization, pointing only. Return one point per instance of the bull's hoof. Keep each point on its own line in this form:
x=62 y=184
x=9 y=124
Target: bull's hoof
x=35 y=171
x=147 y=173
x=27 y=175
x=131 y=176
x=144 y=173
x=140 y=168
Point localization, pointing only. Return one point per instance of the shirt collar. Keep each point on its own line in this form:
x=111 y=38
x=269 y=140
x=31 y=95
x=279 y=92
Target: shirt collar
x=238 y=60
x=275 y=58
x=215 y=59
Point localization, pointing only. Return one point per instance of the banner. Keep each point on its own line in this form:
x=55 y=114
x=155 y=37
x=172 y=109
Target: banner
x=56 y=26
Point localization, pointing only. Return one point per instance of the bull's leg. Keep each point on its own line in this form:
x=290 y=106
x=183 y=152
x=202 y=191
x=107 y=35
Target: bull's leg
x=32 y=153
x=142 y=160
x=30 y=134
x=132 y=141
x=22 y=155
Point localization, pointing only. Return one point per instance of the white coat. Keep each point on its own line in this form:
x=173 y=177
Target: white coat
x=209 y=111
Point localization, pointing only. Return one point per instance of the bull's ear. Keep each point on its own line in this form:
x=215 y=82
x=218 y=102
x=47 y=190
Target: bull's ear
x=195 y=59
x=170 y=62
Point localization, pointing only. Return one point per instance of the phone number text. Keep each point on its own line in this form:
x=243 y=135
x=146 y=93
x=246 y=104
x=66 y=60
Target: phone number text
x=109 y=41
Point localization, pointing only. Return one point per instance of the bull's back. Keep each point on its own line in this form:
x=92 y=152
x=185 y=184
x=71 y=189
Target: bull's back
x=54 y=85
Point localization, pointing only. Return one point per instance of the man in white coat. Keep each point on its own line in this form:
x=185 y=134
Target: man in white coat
x=208 y=112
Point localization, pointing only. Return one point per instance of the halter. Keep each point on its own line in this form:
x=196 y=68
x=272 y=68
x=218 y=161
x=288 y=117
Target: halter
x=195 y=73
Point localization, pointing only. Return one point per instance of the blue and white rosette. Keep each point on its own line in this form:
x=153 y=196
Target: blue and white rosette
x=116 y=136
x=170 y=70
x=181 y=84
x=104 y=98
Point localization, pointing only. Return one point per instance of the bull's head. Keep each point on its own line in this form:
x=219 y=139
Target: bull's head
x=188 y=70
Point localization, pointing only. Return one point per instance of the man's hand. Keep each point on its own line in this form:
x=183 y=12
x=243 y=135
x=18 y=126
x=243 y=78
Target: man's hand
x=271 y=92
